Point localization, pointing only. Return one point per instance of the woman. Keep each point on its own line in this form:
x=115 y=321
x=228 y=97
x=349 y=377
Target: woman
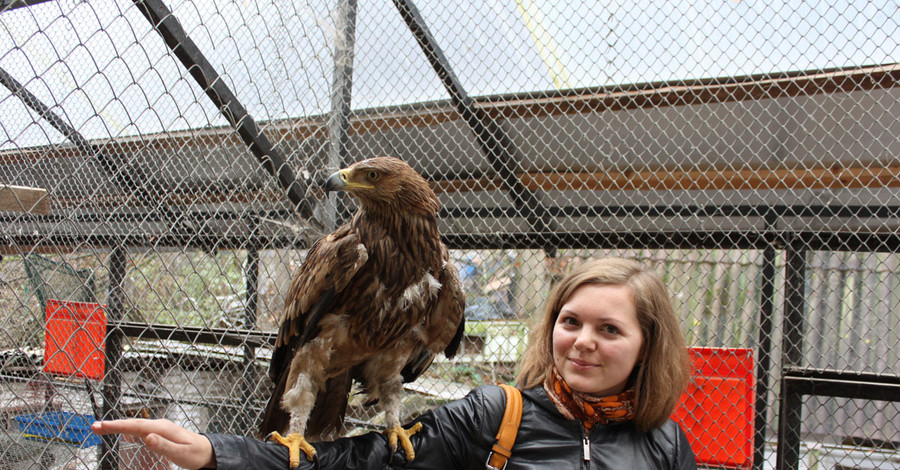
x=601 y=375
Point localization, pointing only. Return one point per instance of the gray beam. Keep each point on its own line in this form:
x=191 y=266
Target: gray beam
x=7 y=5
x=341 y=97
x=496 y=144
x=111 y=164
x=169 y=28
x=112 y=380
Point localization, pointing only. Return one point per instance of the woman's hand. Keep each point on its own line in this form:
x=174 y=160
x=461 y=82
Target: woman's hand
x=184 y=448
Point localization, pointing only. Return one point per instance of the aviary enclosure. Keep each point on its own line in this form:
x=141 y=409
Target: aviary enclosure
x=161 y=165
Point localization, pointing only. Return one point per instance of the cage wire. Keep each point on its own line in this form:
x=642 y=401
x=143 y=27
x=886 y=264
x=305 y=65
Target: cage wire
x=747 y=151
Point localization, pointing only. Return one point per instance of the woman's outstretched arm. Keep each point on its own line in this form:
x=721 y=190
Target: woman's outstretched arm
x=455 y=435
x=182 y=447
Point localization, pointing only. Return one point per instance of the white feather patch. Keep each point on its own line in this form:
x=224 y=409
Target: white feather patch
x=363 y=256
x=427 y=287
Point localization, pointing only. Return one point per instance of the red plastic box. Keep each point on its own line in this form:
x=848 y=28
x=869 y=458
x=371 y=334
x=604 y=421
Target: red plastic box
x=716 y=412
x=74 y=343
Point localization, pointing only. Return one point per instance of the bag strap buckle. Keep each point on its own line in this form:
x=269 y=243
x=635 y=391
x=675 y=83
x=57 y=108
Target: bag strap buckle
x=487 y=463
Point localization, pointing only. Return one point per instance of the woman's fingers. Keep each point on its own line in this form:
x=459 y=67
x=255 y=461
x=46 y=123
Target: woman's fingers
x=184 y=448
x=135 y=427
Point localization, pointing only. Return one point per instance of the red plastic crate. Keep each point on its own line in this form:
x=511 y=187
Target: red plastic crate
x=74 y=343
x=716 y=412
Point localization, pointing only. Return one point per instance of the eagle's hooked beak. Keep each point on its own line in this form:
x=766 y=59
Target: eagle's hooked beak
x=337 y=181
x=340 y=181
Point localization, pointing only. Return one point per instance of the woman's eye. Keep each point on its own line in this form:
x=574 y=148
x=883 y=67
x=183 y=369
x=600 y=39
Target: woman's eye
x=568 y=321
x=610 y=329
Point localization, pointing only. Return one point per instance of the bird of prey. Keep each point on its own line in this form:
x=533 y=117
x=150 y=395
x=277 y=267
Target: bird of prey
x=373 y=302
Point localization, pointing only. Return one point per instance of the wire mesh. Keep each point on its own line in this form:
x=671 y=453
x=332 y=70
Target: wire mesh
x=748 y=152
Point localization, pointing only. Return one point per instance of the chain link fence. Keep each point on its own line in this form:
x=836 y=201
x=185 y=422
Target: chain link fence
x=164 y=161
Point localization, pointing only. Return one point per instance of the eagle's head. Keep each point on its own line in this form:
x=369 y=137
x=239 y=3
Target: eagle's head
x=385 y=184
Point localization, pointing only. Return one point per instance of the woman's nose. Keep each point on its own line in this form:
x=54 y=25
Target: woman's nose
x=585 y=341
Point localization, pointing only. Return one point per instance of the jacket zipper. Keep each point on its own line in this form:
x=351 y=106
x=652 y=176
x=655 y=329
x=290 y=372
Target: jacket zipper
x=587 y=452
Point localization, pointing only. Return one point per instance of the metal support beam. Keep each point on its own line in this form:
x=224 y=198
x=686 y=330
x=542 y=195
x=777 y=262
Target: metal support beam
x=495 y=143
x=764 y=354
x=196 y=335
x=250 y=376
x=832 y=383
x=206 y=76
x=7 y=5
x=797 y=383
x=341 y=98
x=112 y=379
x=627 y=211
x=342 y=85
x=874 y=242
x=113 y=165
x=794 y=303
x=790 y=409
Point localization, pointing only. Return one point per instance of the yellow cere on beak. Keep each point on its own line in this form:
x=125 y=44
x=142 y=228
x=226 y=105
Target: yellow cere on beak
x=340 y=181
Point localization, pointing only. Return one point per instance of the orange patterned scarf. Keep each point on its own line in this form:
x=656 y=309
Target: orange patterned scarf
x=589 y=409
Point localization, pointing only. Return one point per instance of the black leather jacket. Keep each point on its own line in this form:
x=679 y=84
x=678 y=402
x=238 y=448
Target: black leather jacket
x=459 y=435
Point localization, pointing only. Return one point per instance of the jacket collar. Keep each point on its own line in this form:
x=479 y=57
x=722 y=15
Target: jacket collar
x=539 y=396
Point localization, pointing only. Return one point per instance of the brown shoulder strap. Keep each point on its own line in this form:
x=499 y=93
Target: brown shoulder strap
x=509 y=427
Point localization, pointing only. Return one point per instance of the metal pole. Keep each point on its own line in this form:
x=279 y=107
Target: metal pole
x=789 y=428
x=206 y=76
x=496 y=144
x=111 y=164
x=112 y=380
x=341 y=98
x=794 y=304
x=764 y=354
x=250 y=376
x=7 y=5
x=790 y=409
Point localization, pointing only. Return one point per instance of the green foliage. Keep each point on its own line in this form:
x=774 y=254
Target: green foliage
x=186 y=288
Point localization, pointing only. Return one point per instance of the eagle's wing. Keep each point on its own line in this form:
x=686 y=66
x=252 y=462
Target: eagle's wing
x=444 y=326
x=329 y=267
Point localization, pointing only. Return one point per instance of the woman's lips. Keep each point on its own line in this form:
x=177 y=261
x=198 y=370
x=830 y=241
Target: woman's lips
x=582 y=364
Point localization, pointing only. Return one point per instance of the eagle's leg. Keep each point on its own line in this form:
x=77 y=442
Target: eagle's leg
x=390 y=393
x=299 y=400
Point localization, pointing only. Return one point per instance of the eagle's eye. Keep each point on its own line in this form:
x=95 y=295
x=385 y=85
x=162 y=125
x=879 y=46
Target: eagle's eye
x=372 y=175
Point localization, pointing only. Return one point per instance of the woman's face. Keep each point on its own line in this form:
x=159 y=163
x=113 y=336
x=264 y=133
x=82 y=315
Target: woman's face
x=597 y=339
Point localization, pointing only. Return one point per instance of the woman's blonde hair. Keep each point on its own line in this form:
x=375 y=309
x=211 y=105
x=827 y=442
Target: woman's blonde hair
x=663 y=371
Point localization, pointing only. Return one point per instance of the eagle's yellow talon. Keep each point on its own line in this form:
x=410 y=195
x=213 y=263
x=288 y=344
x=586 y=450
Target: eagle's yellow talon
x=398 y=433
x=295 y=443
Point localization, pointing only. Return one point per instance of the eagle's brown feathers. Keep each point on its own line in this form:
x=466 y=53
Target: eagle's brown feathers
x=374 y=301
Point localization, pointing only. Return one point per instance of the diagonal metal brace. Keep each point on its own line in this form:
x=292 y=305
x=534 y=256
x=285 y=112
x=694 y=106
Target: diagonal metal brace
x=495 y=143
x=7 y=5
x=173 y=34
x=113 y=164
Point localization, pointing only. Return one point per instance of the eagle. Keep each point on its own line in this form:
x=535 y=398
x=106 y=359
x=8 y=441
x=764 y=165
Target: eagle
x=373 y=302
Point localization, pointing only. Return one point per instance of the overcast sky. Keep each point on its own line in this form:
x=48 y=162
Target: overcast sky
x=102 y=67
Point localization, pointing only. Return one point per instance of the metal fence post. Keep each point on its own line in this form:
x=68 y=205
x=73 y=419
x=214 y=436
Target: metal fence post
x=250 y=378
x=112 y=380
x=790 y=409
x=764 y=354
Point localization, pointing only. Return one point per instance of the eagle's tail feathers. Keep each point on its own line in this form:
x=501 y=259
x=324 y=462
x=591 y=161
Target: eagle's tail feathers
x=327 y=417
x=453 y=347
x=274 y=417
